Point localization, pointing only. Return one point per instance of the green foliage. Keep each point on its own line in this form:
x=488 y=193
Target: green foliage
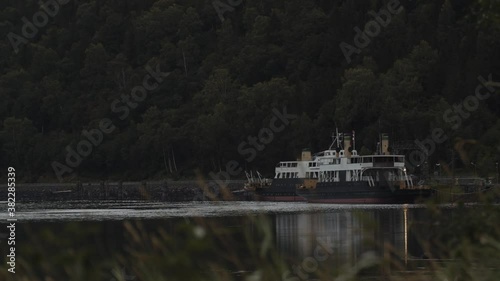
x=227 y=77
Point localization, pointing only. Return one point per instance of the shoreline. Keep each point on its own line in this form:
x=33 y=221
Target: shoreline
x=145 y=190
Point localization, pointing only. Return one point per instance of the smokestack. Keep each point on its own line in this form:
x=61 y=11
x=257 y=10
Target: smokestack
x=347 y=145
x=385 y=144
x=306 y=155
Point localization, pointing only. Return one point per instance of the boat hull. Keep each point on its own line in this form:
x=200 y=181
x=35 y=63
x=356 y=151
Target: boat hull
x=272 y=198
x=361 y=193
x=397 y=197
x=285 y=190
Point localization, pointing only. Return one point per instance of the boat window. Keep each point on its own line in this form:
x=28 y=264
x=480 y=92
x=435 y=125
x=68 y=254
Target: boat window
x=367 y=159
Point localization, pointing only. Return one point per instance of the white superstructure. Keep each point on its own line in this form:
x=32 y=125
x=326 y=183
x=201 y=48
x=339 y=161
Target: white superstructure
x=345 y=165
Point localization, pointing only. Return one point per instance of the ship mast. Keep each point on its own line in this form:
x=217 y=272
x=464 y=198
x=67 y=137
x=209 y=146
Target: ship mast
x=353 y=140
x=336 y=140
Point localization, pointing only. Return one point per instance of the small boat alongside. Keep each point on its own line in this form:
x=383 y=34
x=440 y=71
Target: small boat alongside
x=265 y=190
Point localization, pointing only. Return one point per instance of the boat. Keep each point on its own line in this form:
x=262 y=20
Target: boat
x=340 y=175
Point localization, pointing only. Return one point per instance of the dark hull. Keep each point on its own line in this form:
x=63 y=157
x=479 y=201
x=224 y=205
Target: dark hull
x=373 y=197
x=284 y=190
x=361 y=193
x=281 y=198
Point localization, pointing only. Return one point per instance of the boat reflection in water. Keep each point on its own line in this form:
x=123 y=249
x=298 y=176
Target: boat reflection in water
x=349 y=234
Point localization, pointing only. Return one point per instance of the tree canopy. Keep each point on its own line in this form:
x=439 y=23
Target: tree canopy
x=226 y=78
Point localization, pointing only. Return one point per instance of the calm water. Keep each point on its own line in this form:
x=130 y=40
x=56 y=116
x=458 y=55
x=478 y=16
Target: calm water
x=313 y=235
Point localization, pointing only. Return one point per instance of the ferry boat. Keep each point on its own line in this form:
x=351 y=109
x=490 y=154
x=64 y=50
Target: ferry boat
x=340 y=175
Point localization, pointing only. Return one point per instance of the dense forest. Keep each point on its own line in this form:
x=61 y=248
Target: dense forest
x=148 y=89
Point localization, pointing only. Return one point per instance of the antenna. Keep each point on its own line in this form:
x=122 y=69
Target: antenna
x=353 y=140
x=337 y=139
x=340 y=138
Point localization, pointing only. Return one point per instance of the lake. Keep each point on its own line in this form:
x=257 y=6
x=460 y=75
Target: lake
x=221 y=240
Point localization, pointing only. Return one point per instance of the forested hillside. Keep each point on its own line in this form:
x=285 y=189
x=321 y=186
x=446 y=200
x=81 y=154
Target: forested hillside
x=141 y=89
